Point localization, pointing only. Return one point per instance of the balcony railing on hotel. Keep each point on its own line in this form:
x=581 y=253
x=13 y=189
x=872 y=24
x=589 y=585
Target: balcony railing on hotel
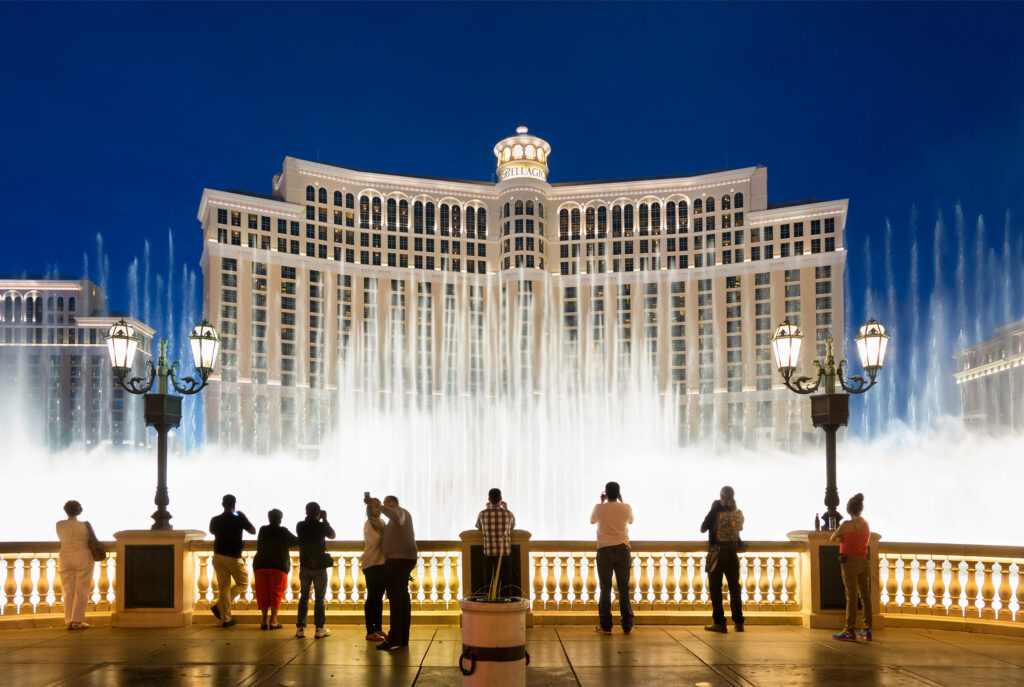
x=982 y=584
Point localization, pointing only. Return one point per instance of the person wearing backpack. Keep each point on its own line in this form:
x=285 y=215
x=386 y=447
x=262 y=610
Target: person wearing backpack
x=723 y=524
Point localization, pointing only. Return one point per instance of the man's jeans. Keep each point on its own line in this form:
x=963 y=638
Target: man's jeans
x=396 y=584
x=614 y=559
x=318 y=579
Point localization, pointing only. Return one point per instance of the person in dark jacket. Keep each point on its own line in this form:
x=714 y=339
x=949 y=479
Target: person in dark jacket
x=272 y=564
x=314 y=561
x=723 y=524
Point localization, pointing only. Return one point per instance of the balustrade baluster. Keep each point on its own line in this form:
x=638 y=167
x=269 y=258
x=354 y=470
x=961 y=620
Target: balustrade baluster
x=591 y=583
x=249 y=595
x=792 y=602
x=103 y=604
x=763 y=586
x=891 y=585
x=442 y=585
x=685 y=602
x=293 y=584
x=699 y=582
x=1004 y=612
x=777 y=604
x=955 y=589
x=671 y=585
x=657 y=584
x=922 y=585
x=750 y=583
x=43 y=585
x=454 y=583
x=360 y=588
x=338 y=564
x=971 y=611
x=414 y=583
x=202 y=581
x=578 y=603
x=550 y=584
x=58 y=587
x=27 y=586
x=988 y=592
x=1019 y=616
x=644 y=584
x=427 y=584
x=538 y=582
x=563 y=581
x=939 y=587
x=906 y=584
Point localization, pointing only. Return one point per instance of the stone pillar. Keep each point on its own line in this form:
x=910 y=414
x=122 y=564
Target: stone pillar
x=155 y=578
x=822 y=596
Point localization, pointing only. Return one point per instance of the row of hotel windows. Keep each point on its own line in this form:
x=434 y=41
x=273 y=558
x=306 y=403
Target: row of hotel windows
x=33 y=308
x=398 y=214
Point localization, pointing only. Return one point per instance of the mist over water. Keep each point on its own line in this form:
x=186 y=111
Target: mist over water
x=925 y=478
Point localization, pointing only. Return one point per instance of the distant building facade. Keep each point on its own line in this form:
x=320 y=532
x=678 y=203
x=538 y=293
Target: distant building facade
x=54 y=368
x=430 y=286
x=991 y=380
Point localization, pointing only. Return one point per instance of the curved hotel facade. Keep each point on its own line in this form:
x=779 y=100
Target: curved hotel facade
x=350 y=281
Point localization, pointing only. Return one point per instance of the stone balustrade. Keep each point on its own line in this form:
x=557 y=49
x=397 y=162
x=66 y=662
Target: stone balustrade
x=920 y=584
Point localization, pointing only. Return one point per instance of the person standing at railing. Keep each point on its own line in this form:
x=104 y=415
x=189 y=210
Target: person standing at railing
x=854 y=536
x=399 y=546
x=496 y=523
x=271 y=565
x=228 y=564
x=723 y=524
x=613 y=517
x=314 y=562
x=372 y=563
x=75 y=565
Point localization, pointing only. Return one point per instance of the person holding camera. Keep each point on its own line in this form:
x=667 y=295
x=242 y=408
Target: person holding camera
x=401 y=554
x=496 y=523
x=228 y=564
x=854 y=536
x=314 y=561
x=723 y=524
x=613 y=517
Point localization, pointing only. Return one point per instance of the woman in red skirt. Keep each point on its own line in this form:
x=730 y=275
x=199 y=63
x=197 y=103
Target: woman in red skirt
x=272 y=563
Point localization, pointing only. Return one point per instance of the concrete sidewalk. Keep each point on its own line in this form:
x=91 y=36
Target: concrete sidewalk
x=560 y=656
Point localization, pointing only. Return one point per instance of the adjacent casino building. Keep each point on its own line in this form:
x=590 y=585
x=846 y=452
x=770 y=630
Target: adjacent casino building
x=342 y=278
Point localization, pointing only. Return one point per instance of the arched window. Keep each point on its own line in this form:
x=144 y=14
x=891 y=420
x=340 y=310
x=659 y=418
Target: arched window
x=726 y=202
x=310 y=194
x=364 y=212
x=17 y=308
x=670 y=217
x=697 y=206
x=471 y=222
x=575 y=222
x=481 y=223
x=540 y=210
x=617 y=220
x=602 y=222
x=392 y=214
x=709 y=204
x=508 y=210
x=738 y=201
x=39 y=308
x=643 y=218
x=430 y=218
x=350 y=201
x=30 y=309
x=49 y=303
x=337 y=199
x=323 y=195
x=628 y=217
x=519 y=207
x=8 y=309
x=655 y=218
x=444 y=219
x=456 y=220
x=591 y=221
x=563 y=225
x=417 y=217
x=403 y=215
x=375 y=210
x=71 y=304
x=529 y=207
x=60 y=303
x=684 y=220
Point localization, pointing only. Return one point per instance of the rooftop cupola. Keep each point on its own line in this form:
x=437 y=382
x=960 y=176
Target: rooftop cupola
x=522 y=155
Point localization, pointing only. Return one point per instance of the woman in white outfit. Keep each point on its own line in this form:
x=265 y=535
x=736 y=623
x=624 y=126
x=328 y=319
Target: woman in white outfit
x=75 y=565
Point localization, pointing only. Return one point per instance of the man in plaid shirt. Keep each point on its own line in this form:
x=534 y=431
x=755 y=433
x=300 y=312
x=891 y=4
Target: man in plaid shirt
x=496 y=522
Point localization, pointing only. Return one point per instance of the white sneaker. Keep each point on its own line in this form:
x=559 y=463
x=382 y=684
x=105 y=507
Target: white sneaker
x=300 y=633
x=322 y=632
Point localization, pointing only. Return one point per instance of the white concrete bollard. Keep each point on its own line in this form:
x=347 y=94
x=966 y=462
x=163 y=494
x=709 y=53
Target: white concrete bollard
x=494 y=643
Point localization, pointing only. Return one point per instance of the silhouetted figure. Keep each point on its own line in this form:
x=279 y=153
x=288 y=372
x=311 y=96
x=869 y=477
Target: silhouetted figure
x=75 y=565
x=723 y=524
x=496 y=523
x=854 y=536
x=228 y=565
x=372 y=563
x=613 y=517
x=399 y=545
x=314 y=562
x=272 y=564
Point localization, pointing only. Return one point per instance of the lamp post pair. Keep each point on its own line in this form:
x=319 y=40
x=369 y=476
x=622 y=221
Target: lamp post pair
x=162 y=410
x=830 y=409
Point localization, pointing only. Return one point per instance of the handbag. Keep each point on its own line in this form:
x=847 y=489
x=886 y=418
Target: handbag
x=95 y=547
x=711 y=561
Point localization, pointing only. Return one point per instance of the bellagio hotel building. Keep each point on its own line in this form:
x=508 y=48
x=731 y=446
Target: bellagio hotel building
x=343 y=280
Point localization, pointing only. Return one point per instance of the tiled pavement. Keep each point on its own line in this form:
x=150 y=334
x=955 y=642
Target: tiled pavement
x=563 y=655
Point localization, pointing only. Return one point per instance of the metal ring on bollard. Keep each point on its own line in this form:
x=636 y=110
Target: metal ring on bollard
x=467 y=653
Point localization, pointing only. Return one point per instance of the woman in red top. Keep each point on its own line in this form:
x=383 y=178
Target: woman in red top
x=853 y=537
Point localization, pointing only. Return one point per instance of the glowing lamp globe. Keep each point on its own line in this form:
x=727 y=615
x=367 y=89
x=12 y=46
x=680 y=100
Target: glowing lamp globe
x=786 y=346
x=122 y=342
x=205 y=346
x=872 y=342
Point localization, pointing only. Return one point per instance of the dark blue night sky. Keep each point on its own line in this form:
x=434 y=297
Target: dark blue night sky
x=116 y=116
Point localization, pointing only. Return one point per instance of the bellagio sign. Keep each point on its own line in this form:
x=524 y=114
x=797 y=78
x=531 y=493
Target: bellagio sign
x=513 y=172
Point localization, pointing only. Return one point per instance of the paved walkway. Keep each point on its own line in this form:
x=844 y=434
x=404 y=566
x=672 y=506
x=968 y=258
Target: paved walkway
x=561 y=656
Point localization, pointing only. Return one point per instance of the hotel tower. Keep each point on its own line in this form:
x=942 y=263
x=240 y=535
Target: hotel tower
x=343 y=279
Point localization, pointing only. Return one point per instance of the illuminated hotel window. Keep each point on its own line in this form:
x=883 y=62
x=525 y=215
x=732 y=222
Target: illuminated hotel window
x=375 y=212
x=709 y=204
x=726 y=202
x=364 y=212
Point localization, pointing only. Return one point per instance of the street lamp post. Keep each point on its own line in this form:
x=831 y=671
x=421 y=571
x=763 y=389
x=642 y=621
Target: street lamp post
x=162 y=410
x=830 y=409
